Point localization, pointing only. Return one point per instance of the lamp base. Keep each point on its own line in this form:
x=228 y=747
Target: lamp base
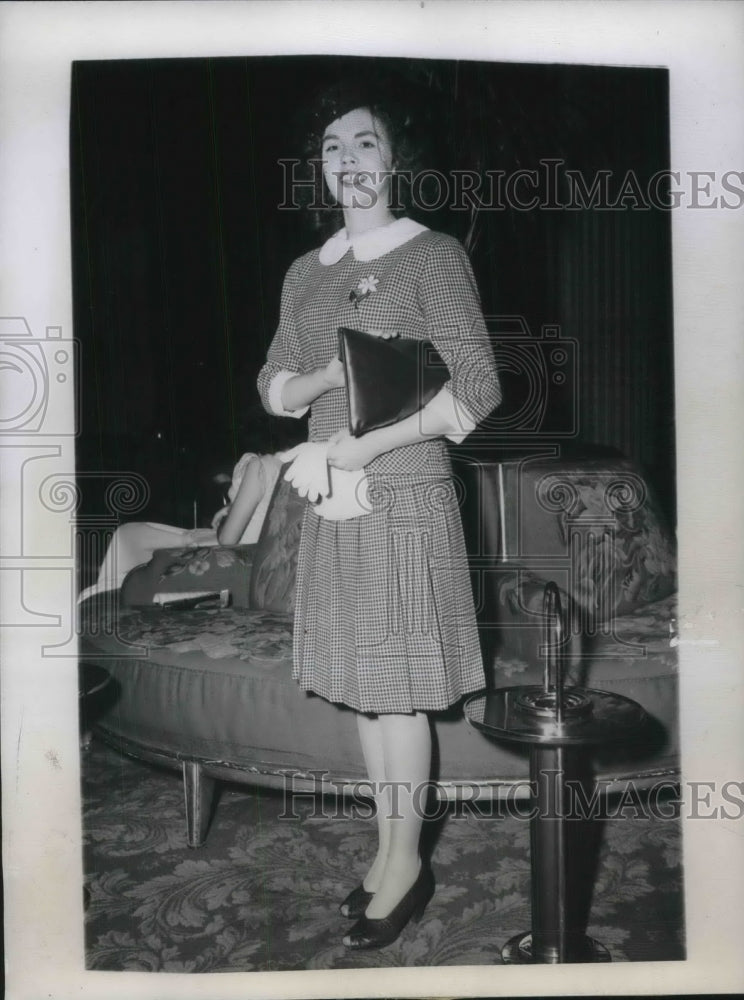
x=518 y=951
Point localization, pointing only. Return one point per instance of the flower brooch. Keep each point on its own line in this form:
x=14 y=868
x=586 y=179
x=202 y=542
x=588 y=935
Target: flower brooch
x=365 y=287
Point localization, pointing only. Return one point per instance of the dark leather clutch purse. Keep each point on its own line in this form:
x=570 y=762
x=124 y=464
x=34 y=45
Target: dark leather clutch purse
x=387 y=380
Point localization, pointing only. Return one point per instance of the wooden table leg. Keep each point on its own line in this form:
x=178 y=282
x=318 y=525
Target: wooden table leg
x=199 y=793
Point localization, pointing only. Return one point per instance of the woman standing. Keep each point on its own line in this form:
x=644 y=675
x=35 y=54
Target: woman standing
x=384 y=618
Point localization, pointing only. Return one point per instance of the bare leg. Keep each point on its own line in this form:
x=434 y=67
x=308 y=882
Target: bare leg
x=370 y=736
x=132 y=545
x=406 y=741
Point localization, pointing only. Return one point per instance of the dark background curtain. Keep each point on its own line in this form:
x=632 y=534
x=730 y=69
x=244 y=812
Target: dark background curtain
x=179 y=253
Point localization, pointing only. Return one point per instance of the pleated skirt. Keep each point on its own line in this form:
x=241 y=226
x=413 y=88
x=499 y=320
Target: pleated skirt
x=384 y=614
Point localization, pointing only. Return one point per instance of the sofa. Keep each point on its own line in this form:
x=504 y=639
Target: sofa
x=208 y=689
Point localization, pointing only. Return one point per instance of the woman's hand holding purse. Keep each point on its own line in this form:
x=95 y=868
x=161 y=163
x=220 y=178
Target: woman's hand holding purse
x=351 y=453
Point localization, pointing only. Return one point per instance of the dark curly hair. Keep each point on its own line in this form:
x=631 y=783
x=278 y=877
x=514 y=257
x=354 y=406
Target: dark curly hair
x=332 y=102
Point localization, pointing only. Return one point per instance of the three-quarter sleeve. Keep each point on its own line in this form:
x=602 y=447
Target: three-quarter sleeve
x=454 y=323
x=284 y=358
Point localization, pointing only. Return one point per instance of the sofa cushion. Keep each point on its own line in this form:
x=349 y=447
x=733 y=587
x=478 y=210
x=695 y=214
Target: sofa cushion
x=263 y=637
x=275 y=560
x=182 y=570
x=217 y=684
x=594 y=527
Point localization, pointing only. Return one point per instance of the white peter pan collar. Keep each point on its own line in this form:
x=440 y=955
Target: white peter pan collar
x=372 y=244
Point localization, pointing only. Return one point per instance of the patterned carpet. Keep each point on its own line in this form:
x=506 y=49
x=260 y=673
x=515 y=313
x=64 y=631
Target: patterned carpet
x=262 y=894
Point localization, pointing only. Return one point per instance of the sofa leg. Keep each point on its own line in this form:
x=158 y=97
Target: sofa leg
x=199 y=791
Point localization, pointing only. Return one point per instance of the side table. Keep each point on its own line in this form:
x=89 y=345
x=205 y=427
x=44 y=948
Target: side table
x=558 y=725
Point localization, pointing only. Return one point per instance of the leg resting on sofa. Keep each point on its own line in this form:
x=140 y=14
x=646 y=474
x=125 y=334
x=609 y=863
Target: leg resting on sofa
x=199 y=791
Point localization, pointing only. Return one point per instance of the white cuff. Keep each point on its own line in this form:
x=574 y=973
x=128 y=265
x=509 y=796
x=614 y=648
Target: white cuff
x=275 y=395
x=445 y=407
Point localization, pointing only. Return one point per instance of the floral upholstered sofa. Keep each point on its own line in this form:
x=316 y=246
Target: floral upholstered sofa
x=208 y=690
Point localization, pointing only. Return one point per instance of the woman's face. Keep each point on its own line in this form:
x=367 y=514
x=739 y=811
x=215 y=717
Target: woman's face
x=357 y=160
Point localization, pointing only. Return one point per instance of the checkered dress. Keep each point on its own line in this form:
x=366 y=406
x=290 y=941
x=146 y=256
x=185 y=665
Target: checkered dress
x=384 y=618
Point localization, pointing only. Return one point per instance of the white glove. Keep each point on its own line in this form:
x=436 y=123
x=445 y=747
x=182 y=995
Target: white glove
x=308 y=472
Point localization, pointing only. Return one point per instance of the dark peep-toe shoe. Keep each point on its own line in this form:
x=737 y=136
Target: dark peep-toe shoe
x=356 y=902
x=369 y=932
